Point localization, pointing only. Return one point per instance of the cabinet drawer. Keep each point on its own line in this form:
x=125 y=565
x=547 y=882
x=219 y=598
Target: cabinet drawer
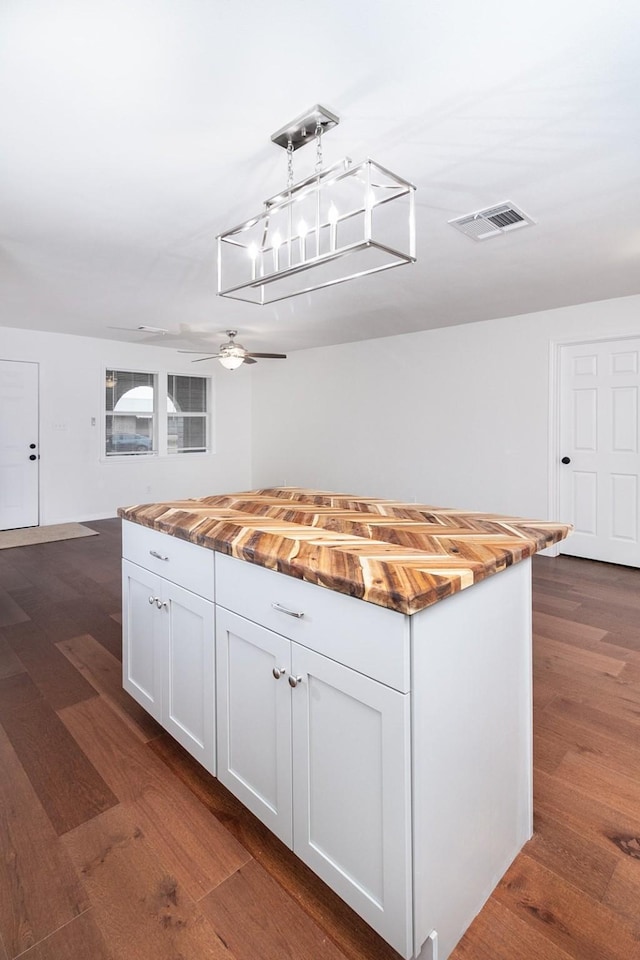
x=184 y=563
x=366 y=637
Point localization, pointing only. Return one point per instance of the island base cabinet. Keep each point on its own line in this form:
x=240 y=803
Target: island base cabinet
x=168 y=658
x=321 y=754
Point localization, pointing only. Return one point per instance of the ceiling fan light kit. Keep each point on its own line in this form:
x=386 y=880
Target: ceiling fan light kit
x=341 y=223
x=232 y=354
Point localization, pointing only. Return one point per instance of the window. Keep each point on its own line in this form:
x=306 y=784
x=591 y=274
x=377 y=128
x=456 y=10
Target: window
x=187 y=414
x=133 y=426
x=129 y=413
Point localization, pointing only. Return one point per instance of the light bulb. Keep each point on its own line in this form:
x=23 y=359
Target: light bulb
x=275 y=243
x=252 y=250
x=231 y=362
x=303 y=229
x=332 y=216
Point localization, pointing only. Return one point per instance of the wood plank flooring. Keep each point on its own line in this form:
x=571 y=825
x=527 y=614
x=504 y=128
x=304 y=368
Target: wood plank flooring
x=116 y=845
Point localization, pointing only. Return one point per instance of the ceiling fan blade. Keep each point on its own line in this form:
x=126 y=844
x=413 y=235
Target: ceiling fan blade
x=269 y=356
x=200 y=359
x=248 y=359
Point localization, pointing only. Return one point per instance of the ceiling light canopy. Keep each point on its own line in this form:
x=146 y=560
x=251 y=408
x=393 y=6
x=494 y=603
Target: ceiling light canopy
x=341 y=223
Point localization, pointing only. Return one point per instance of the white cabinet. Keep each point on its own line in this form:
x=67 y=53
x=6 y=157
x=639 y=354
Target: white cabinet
x=318 y=751
x=352 y=790
x=168 y=654
x=142 y=649
x=254 y=719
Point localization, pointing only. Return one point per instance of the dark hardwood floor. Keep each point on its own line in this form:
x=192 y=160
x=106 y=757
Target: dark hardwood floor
x=115 y=845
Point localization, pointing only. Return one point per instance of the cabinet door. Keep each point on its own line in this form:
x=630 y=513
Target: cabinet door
x=351 y=783
x=188 y=680
x=141 y=651
x=254 y=719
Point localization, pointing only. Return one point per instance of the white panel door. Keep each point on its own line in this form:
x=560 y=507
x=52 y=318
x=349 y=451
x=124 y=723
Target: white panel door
x=19 y=444
x=351 y=790
x=254 y=719
x=188 y=636
x=600 y=449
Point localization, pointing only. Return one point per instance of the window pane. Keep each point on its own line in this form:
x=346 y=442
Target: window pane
x=129 y=413
x=186 y=414
x=189 y=394
x=187 y=434
x=128 y=391
x=128 y=434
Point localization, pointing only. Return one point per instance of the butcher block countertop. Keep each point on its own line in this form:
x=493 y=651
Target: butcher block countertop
x=404 y=556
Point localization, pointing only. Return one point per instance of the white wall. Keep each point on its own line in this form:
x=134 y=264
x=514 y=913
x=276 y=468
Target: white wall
x=76 y=481
x=457 y=416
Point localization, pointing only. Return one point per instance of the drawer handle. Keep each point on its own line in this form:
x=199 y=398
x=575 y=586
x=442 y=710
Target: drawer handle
x=158 y=556
x=278 y=672
x=294 y=681
x=290 y=613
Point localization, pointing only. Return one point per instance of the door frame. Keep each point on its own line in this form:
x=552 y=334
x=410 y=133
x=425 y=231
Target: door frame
x=555 y=351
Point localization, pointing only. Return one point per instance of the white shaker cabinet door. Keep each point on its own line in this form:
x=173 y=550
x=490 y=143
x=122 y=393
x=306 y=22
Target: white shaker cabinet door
x=254 y=718
x=168 y=636
x=188 y=639
x=141 y=649
x=351 y=776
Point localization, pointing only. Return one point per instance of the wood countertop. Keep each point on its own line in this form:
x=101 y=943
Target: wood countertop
x=404 y=556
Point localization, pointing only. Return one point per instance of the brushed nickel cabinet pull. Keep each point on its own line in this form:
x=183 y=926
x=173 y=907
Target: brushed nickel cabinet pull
x=158 y=556
x=290 y=613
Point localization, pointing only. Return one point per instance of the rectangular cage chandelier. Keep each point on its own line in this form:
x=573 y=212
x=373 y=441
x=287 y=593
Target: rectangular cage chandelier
x=340 y=223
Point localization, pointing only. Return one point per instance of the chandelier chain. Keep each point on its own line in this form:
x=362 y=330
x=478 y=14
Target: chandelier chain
x=289 y=164
x=318 y=145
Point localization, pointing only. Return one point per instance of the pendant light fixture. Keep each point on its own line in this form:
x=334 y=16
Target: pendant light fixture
x=343 y=222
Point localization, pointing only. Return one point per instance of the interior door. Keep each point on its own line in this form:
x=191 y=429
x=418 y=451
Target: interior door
x=19 y=445
x=599 y=449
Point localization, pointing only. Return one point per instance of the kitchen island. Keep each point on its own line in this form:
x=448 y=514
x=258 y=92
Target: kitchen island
x=322 y=655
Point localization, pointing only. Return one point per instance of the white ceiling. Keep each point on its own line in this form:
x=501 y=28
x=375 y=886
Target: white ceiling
x=134 y=131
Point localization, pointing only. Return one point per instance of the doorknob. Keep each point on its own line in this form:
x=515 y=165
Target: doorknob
x=566 y=460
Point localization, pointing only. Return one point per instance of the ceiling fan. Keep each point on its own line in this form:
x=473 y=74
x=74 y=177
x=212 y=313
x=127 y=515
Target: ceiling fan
x=232 y=354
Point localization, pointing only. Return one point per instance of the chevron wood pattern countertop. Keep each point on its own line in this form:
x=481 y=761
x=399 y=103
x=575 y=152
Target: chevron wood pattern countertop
x=404 y=556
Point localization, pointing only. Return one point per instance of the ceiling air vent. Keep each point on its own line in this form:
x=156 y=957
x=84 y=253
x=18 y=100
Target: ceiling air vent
x=492 y=221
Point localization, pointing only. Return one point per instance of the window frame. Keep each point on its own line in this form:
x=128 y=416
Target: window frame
x=160 y=416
